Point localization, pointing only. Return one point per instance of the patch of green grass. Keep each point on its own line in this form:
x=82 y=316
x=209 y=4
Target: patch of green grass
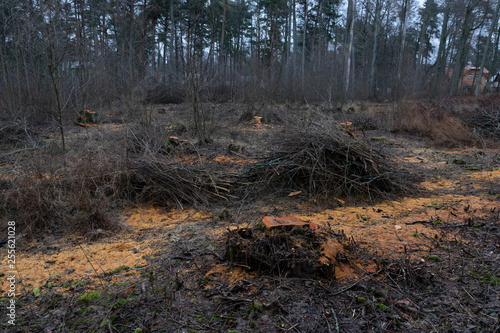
x=360 y=299
x=416 y=234
x=122 y=302
x=82 y=321
x=487 y=277
x=458 y=161
x=158 y=289
x=83 y=310
x=89 y=297
x=54 y=300
x=119 y=269
x=437 y=206
x=382 y=306
x=376 y=292
x=255 y=307
x=434 y=257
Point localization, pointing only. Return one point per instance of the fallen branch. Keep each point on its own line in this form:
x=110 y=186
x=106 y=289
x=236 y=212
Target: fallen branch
x=21 y=150
x=422 y=222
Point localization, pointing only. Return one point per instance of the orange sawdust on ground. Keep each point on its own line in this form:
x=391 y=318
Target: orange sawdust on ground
x=234 y=160
x=231 y=275
x=79 y=260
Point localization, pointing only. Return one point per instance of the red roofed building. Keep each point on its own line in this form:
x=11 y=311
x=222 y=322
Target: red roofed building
x=469 y=79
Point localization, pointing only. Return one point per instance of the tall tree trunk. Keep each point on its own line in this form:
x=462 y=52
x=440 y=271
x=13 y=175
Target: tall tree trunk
x=304 y=47
x=485 y=54
x=288 y=32
x=494 y=66
x=258 y=35
x=222 y=55
x=404 y=24
x=165 y=48
x=153 y=48
x=459 y=63
x=441 y=56
x=295 y=41
x=348 y=48
x=374 y=50
x=143 y=40
x=172 y=60
x=418 y=68
x=131 y=47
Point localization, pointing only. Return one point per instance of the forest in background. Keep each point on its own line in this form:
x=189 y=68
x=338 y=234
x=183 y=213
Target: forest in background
x=59 y=57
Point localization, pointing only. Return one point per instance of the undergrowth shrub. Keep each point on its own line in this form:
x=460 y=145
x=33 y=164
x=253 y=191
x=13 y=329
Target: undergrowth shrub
x=443 y=127
x=77 y=197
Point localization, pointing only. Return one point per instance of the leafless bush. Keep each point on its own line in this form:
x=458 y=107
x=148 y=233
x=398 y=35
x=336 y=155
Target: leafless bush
x=148 y=139
x=12 y=131
x=75 y=197
x=363 y=123
x=163 y=94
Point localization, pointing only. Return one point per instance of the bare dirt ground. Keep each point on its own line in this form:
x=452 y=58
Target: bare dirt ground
x=427 y=261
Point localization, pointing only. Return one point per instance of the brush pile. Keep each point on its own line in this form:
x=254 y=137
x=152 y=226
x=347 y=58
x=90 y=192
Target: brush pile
x=281 y=251
x=168 y=170
x=323 y=159
x=166 y=180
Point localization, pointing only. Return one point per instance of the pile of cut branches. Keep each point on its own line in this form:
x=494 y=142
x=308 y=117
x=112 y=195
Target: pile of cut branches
x=324 y=159
x=167 y=180
x=281 y=251
x=486 y=121
x=165 y=169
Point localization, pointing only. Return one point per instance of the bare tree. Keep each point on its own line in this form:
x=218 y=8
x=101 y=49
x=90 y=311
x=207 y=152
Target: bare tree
x=376 y=24
x=467 y=28
x=348 y=45
x=485 y=54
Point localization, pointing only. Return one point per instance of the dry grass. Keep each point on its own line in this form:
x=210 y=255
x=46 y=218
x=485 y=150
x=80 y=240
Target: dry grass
x=432 y=121
x=75 y=197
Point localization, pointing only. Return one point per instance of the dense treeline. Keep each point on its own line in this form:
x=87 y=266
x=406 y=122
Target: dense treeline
x=60 y=54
